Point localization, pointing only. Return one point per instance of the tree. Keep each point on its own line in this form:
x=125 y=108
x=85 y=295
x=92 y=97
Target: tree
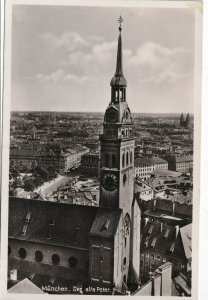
x=42 y=172
x=29 y=185
x=51 y=172
x=14 y=171
x=38 y=180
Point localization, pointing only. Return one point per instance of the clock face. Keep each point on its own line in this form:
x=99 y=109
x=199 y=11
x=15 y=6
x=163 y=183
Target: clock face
x=109 y=182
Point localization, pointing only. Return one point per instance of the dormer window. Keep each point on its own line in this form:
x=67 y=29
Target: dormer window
x=52 y=221
x=150 y=229
x=24 y=229
x=146 y=241
x=154 y=242
x=28 y=216
x=48 y=236
x=172 y=247
x=106 y=225
x=166 y=233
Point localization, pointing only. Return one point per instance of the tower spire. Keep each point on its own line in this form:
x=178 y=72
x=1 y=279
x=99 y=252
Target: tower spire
x=119 y=68
x=119 y=79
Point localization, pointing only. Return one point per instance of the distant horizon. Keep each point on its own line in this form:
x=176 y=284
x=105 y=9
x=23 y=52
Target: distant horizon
x=99 y=112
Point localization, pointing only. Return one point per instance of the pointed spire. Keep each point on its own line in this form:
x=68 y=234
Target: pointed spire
x=119 y=68
x=119 y=79
x=182 y=117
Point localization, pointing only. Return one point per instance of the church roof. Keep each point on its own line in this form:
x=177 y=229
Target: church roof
x=72 y=223
x=59 y=224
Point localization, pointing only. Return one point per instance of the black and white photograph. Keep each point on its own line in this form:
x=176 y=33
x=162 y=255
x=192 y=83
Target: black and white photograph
x=101 y=142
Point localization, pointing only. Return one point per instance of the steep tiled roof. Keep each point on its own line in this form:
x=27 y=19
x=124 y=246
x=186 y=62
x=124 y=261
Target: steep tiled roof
x=184 y=158
x=164 y=239
x=60 y=224
x=72 y=223
x=149 y=161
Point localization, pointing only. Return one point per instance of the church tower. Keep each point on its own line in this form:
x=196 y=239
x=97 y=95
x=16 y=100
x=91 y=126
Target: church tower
x=181 y=120
x=121 y=259
x=187 y=121
x=117 y=144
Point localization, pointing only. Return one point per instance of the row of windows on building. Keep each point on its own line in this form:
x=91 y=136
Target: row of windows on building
x=148 y=258
x=55 y=258
x=110 y=160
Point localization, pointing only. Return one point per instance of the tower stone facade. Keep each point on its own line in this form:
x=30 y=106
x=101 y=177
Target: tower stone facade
x=117 y=169
x=117 y=145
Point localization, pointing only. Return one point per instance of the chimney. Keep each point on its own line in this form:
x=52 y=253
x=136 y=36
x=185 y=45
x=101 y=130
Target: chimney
x=154 y=204
x=166 y=273
x=177 y=231
x=13 y=275
x=173 y=208
x=58 y=196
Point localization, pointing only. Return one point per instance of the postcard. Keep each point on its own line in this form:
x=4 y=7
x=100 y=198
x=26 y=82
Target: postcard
x=101 y=149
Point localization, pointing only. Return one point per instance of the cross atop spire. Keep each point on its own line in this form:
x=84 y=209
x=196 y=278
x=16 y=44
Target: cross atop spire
x=120 y=20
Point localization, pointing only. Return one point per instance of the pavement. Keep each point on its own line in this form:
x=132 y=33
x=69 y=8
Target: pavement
x=49 y=187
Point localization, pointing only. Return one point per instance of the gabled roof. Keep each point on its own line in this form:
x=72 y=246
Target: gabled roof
x=60 y=224
x=184 y=158
x=165 y=241
x=25 y=286
x=139 y=162
x=72 y=223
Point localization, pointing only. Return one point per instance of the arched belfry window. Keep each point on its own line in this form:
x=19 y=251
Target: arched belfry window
x=123 y=160
x=122 y=133
x=127 y=158
x=121 y=94
x=113 y=161
x=116 y=93
x=131 y=157
x=107 y=160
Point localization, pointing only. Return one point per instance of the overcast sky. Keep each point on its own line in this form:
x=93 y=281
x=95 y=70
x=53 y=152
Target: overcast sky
x=63 y=58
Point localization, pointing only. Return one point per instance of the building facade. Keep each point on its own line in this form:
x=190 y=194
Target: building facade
x=71 y=159
x=144 y=166
x=181 y=164
x=90 y=165
x=26 y=158
x=166 y=231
